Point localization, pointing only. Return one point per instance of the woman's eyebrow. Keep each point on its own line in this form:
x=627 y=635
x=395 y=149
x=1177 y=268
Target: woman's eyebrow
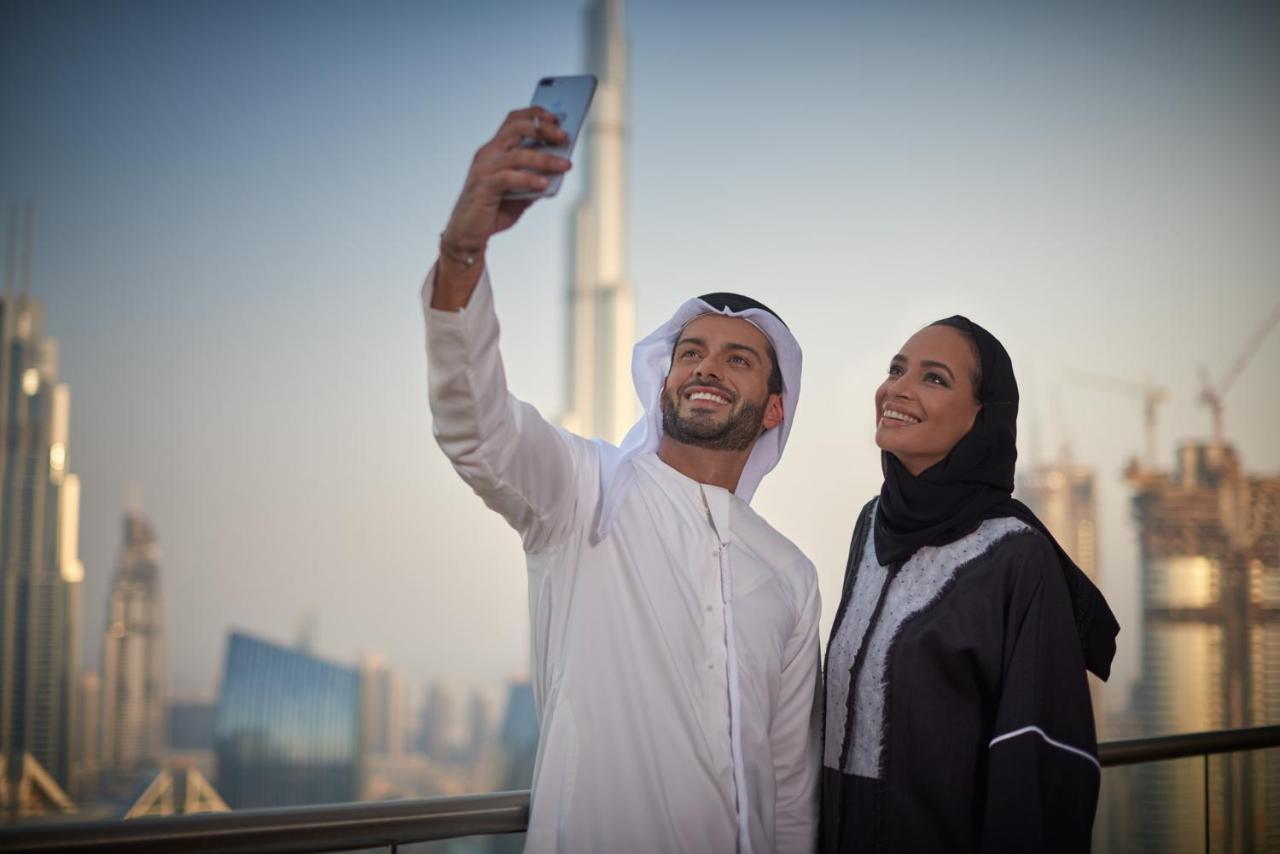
x=930 y=364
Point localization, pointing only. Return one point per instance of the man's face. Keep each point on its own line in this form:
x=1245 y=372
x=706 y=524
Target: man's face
x=716 y=395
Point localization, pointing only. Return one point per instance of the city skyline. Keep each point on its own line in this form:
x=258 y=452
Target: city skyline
x=231 y=268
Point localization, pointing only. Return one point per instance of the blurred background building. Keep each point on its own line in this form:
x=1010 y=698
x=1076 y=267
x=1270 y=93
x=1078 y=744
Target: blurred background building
x=190 y=735
x=600 y=304
x=383 y=712
x=518 y=743
x=287 y=727
x=87 y=746
x=1062 y=494
x=40 y=571
x=133 y=658
x=1210 y=543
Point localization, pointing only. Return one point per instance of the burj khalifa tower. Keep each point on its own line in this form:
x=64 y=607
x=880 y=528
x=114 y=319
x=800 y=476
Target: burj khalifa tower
x=601 y=302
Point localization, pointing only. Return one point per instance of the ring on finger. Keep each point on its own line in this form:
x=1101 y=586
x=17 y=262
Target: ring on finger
x=537 y=123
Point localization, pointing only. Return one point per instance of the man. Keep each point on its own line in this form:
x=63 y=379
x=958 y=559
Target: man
x=674 y=632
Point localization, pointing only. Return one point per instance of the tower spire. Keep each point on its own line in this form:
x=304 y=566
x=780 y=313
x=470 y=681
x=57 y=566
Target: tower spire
x=601 y=303
x=11 y=255
x=26 y=247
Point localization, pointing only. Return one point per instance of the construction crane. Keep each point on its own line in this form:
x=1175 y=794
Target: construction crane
x=1151 y=395
x=1211 y=395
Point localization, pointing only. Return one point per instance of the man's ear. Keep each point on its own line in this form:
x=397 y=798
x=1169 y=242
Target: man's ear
x=773 y=413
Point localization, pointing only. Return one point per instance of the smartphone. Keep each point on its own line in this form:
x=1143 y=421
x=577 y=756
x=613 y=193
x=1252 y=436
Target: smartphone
x=568 y=98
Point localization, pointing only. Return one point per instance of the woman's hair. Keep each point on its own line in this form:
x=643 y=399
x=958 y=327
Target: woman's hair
x=975 y=376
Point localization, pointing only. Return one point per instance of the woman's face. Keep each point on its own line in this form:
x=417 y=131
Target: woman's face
x=927 y=402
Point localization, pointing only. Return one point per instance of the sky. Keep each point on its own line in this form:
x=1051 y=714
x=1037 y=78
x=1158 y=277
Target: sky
x=236 y=202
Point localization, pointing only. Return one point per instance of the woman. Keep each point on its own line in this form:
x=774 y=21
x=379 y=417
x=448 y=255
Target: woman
x=957 y=708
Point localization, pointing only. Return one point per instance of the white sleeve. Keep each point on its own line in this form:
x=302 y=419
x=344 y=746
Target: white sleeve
x=796 y=734
x=522 y=466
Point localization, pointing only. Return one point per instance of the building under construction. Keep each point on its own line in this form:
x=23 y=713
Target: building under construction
x=1210 y=550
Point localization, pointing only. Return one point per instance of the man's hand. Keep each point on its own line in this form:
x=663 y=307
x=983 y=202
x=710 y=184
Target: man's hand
x=502 y=164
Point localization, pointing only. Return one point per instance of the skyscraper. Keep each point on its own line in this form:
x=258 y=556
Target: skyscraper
x=601 y=304
x=133 y=660
x=1062 y=495
x=87 y=750
x=1210 y=543
x=442 y=732
x=478 y=723
x=191 y=726
x=40 y=572
x=518 y=743
x=287 y=729
x=382 y=708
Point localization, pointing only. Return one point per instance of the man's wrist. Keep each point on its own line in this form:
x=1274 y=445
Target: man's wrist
x=455 y=279
x=461 y=252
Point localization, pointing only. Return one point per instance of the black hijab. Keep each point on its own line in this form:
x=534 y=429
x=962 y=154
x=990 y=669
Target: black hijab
x=975 y=483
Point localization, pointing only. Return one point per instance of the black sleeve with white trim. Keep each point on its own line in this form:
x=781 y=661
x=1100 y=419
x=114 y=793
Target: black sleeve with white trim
x=1043 y=773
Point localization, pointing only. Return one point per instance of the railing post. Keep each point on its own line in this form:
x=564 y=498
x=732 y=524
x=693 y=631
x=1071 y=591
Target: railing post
x=1206 y=803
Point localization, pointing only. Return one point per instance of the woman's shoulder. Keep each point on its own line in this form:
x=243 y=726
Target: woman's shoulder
x=1011 y=540
x=1022 y=556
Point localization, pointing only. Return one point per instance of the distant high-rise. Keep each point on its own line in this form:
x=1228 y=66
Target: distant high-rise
x=191 y=726
x=382 y=708
x=133 y=660
x=442 y=732
x=1062 y=495
x=40 y=572
x=518 y=742
x=87 y=751
x=1210 y=542
x=287 y=728
x=601 y=303
x=478 y=723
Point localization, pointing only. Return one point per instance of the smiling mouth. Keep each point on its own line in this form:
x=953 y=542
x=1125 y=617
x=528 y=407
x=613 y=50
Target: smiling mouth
x=708 y=396
x=895 y=417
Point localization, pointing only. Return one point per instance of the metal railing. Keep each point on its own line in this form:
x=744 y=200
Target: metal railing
x=337 y=827
x=1159 y=748
x=388 y=824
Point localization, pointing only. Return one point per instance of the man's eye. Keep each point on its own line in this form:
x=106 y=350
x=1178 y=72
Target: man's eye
x=738 y=360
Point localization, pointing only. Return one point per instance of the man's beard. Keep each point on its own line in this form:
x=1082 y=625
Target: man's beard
x=736 y=434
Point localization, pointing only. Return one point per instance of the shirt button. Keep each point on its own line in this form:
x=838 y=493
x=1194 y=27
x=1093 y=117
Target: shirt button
x=708 y=607
x=711 y=666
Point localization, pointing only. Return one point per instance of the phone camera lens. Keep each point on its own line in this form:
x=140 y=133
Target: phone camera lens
x=547 y=81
